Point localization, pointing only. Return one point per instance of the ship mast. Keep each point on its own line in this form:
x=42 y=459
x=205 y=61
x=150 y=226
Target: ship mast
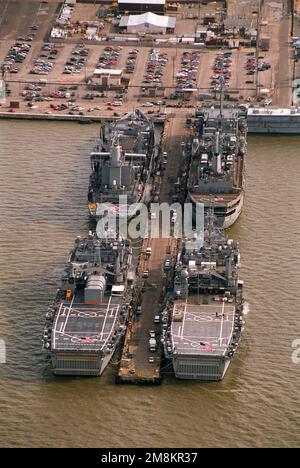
x=222 y=82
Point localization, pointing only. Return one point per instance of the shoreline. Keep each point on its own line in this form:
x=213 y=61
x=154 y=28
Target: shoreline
x=63 y=117
x=54 y=117
x=260 y=124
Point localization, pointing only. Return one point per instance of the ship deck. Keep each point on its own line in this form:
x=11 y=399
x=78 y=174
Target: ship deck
x=80 y=326
x=205 y=329
x=217 y=199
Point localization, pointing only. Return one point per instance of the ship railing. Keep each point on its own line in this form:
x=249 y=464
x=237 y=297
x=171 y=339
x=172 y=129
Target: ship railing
x=221 y=178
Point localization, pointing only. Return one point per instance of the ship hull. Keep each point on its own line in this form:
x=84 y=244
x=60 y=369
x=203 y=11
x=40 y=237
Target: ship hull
x=126 y=173
x=226 y=213
x=122 y=214
x=114 y=211
x=75 y=364
x=204 y=335
x=229 y=221
x=202 y=368
x=85 y=335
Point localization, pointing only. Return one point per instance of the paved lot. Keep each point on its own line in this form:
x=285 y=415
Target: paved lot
x=173 y=66
x=17 y=16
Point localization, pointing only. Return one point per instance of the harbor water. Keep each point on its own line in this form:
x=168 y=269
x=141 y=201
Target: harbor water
x=44 y=170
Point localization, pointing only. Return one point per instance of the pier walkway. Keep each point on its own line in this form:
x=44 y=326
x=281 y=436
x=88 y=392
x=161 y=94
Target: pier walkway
x=135 y=366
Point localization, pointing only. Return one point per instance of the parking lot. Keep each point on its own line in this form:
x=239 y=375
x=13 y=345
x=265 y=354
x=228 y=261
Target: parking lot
x=177 y=76
x=18 y=16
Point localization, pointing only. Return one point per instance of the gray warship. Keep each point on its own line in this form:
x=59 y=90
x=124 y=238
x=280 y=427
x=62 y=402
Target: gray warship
x=204 y=318
x=89 y=315
x=217 y=170
x=122 y=163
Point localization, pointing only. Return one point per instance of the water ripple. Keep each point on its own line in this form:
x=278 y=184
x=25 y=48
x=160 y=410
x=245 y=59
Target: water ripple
x=43 y=184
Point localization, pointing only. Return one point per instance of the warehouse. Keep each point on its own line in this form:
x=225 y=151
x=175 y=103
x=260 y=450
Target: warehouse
x=136 y=6
x=148 y=23
x=107 y=78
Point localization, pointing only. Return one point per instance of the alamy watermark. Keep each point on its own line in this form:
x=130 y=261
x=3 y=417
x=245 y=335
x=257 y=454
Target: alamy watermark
x=158 y=220
x=2 y=352
x=296 y=352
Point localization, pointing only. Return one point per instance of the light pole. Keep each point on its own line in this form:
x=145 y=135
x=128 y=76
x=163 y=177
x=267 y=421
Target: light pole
x=257 y=43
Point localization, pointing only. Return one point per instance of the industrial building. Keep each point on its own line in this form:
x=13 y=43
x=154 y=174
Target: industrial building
x=148 y=23
x=107 y=78
x=136 y=6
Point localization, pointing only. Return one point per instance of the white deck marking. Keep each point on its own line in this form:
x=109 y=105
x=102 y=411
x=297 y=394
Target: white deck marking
x=232 y=325
x=104 y=321
x=55 y=323
x=184 y=315
x=222 y=322
x=113 y=326
x=69 y=311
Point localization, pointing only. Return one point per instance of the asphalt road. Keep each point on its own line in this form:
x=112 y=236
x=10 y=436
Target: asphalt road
x=17 y=16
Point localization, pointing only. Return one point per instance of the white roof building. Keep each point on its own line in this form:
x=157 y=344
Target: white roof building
x=147 y=23
x=107 y=71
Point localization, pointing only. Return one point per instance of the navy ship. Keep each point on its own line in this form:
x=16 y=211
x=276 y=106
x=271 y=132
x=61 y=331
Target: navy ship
x=89 y=315
x=122 y=163
x=204 y=318
x=217 y=170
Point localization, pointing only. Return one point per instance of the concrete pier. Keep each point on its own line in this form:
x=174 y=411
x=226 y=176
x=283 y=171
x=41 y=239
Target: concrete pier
x=274 y=121
x=135 y=367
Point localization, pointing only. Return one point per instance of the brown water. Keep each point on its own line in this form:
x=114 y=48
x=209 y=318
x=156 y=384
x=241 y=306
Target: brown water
x=44 y=170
